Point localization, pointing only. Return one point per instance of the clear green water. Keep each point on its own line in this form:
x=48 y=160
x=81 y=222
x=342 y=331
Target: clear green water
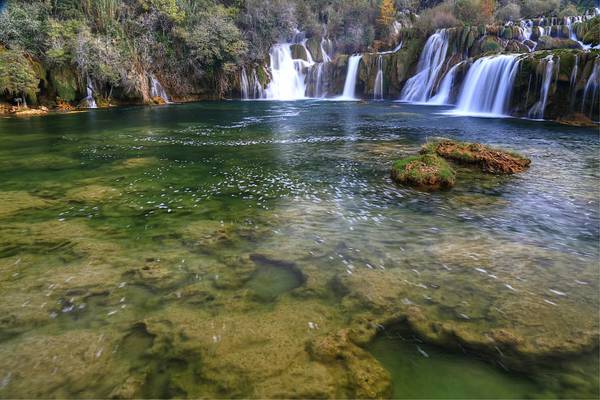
x=218 y=249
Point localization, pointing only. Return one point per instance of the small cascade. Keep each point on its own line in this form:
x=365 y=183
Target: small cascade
x=257 y=90
x=487 y=88
x=444 y=92
x=419 y=88
x=592 y=86
x=573 y=81
x=350 y=84
x=156 y=89
x=91 y=103
x=244 y=85
x=326 y=50
x=287 y=74
x=538 y=109
x=378 y=89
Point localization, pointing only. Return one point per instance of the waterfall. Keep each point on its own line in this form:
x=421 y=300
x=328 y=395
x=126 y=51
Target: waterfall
x=487 y=88
x=444 y=92
x=287 y=74
x=257 y=90
x=378 y=89
x=244 y=84
x=420 y=87
x=350 y=84
x=156 y=89
x=91 y=103
x=326 y=57
x=592 y=85
x=538 y=109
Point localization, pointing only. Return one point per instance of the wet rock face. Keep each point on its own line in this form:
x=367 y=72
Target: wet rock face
x=426 y=171
x=490 y=160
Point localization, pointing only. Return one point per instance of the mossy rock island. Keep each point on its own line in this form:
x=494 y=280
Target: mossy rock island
x=495 y=161
x=425 y=171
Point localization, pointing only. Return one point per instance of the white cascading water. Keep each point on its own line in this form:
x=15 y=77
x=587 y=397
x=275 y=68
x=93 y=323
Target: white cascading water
x=258 y=92
x=326 y=49
x=538 y=109
x=287 y=74
x=351 y=74
x=91 y=103
x=487 y=88
x=378 y=89
x=419 y=88
x=244 y=84
x=444 y=92
x=592 y=86
x=156 y=89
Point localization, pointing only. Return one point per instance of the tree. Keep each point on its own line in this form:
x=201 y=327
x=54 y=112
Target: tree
x=387 y=15
x=17 y=77
x=488 y=7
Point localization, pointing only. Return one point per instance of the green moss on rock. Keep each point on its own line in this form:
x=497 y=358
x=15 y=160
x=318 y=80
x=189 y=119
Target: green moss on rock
x=426 y=171
x=489 y=159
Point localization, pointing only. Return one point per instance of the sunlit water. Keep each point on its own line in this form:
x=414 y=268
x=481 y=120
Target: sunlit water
x=201 y=249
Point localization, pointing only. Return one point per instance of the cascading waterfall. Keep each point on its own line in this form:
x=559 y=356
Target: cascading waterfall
x=378 y=89
x=156 y=89
x=91 y=103
x=244 y=84
x=258 y=92
x=419 y=88
x=592 y=86
x=350 y=84
x=287 y=80
x=538 y=109
x=487 y=88
x=444 y=92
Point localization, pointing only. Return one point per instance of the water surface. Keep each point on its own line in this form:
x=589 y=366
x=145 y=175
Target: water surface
x=205 y=249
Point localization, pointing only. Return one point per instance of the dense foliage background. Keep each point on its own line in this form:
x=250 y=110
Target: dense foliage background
x=194 y=46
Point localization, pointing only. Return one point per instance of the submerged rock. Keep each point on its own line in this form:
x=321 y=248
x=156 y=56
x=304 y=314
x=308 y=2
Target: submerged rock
x=491 y=160
x=427 y=171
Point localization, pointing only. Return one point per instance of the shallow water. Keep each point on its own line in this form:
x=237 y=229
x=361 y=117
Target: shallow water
x=203 y=249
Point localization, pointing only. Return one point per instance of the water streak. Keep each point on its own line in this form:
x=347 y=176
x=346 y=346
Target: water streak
x=538 y=109
x=378 y=89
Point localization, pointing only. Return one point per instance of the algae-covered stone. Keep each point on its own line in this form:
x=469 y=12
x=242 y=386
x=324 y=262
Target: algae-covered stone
x=427 y=171
x=550 y=43
x=489 y=159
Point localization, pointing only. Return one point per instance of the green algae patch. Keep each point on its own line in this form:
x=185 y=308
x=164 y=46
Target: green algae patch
x=92 y=194
x=426 y=171
x=17 y=201
x=490 y=160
